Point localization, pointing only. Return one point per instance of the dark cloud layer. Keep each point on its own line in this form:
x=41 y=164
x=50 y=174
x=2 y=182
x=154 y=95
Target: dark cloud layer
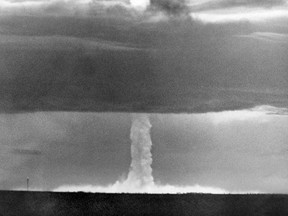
x=171 y=7
x=137 y=64
x=26 y=152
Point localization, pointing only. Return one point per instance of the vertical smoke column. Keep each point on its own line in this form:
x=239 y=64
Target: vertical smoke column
x=140 y=174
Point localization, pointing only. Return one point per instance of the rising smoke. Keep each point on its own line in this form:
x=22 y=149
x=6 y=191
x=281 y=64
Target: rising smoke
x=140 y=178
x=140 y=171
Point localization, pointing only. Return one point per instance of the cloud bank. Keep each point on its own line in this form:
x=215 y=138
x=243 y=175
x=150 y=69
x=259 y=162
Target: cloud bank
x=112 y=56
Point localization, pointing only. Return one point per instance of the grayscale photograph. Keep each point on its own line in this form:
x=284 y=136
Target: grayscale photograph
x=144 y=107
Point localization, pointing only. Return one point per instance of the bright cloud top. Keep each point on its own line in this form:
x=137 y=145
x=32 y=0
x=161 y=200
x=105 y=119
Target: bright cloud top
x=141 y=4
x=205 y=10
x=259 y=114
x=241 y=14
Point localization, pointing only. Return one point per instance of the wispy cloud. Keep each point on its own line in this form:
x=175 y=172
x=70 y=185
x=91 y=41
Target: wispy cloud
x=206 y=10
x=221 y=4
x=67 y=7
x=260 y=114
x=268 y=37
x=21 y=151
x=63 y=43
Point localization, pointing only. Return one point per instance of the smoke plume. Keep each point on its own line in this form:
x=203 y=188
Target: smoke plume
x=140 y=173
x=140 y=178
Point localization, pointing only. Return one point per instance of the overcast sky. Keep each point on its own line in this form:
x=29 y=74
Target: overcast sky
x=73 y=71
x=167 y=56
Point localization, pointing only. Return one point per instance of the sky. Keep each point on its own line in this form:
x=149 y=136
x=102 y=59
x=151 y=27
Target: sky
x=236 y=151
x=165 y=57
x=212 y=75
